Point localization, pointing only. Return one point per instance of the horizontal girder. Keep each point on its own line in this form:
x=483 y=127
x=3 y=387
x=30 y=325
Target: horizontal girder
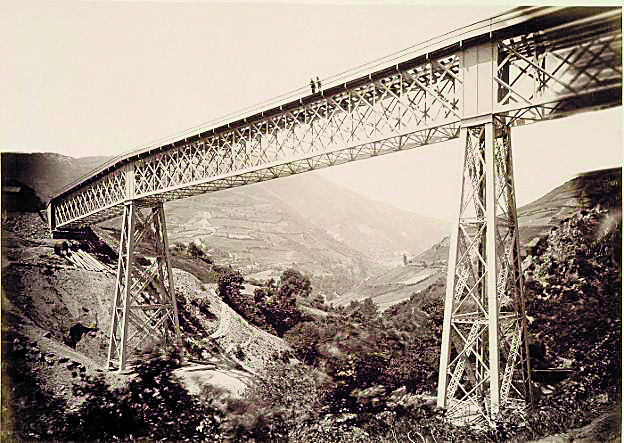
x=546 y=63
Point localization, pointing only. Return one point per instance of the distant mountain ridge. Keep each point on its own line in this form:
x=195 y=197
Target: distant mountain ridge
x=302 y=221
x=602 y=187
x=46 y=173
x=381 y=231
x=596 y=188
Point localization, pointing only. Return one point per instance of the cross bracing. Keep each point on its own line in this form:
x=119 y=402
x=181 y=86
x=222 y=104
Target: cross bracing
x=404 y=110
x=484 y=367
x=144 y=306
x=529 y=65
x=539 y=73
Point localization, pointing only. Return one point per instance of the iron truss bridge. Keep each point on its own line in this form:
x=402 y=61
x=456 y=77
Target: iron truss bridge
x=525 y=66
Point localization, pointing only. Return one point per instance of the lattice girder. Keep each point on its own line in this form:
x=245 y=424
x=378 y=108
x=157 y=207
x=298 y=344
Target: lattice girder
x=547 y=74
x=415 y=103
x=144 y=306
x=571 y=65
x=566 y=63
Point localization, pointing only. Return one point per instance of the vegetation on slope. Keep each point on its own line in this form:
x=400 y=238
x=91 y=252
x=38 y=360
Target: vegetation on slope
x=359 y=375
x=573 y=282
x=150 y=406
x=573 y=291
x=365 y=376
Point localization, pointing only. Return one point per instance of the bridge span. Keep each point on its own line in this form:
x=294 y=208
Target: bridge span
x=527 y=65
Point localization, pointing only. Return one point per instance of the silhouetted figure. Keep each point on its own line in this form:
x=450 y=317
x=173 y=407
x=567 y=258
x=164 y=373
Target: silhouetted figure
x=312 y=86
x=318 y=83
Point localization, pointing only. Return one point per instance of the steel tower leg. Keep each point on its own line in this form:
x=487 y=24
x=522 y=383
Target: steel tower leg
x=484 y=366
x=144 y=308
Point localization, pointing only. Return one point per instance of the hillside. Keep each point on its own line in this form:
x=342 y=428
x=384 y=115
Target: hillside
x=46 y=173
x=596 y=188
x=593 y=189
x=336 y=236
x=63 y=313
x=393 y=286
x=252 y=230
x=382 y=232
x=332 y=234
x=370 y=377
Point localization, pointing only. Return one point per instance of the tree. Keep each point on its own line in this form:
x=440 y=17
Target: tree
x=153 y=406
x=305 y=339
x=195 y=251
x=293 y=284
x=278 y=304
x=230 y=284
x=281 y=312
x=179 y=248
x=363 y=311
x=318 y=302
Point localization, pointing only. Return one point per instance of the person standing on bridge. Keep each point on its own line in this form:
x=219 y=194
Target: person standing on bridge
x=312 y=85
x=318 y=83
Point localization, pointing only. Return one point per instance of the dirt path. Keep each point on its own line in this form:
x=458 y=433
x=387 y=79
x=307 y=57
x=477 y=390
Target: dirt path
x=195 y=377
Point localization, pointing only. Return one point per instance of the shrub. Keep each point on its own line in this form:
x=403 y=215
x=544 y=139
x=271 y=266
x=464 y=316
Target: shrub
x=152 y=406
x=271 y=308
x=574 y=296
x=30 y=411
x=294 y=392
x=195 y=251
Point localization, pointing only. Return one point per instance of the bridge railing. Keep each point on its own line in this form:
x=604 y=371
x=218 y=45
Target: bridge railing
x=370 y=116
x=548 y=62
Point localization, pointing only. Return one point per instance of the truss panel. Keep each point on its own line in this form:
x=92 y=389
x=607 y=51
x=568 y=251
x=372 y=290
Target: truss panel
x=565 y=64
x=554 y=72
x=546 y=72
x=405 y=109
x=484 y=367
x=144 y=306
x=104 y=193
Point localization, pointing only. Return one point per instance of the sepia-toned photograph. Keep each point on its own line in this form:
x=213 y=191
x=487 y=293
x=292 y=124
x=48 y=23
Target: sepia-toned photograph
x=311 y=221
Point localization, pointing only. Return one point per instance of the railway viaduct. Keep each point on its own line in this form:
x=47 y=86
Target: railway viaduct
x=525 y=66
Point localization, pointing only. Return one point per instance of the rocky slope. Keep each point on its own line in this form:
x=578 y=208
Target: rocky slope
x=66 y=311
x=592 y=189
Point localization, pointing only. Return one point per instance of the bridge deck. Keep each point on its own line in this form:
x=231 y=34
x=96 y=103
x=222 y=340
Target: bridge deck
x=544 y=62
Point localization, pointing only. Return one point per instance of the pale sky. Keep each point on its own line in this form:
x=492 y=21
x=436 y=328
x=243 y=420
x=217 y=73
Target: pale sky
x=103 y=77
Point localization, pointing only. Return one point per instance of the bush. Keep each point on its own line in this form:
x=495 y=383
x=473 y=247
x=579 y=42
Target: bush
x=152 y=406
x=294 y=392
x=195 y=251
x=30 y=411
x=271 y=308
x=574 y=298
